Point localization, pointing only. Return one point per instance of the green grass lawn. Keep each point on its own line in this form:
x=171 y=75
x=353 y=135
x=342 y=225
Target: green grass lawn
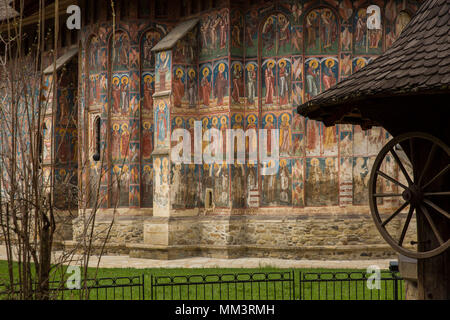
x=228 y=284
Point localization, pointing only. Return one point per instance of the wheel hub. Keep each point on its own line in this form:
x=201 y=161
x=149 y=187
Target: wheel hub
x=413 y=194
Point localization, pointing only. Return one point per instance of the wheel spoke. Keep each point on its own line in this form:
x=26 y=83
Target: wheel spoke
x=427 y=164
x=437 y=208
x=447 y=193
x=386 y=195
x=405 y=227
x=395 y=214
x=411 y=152
x=384 y=175
x=432 y=225
x=436 y=176
x=402 y=168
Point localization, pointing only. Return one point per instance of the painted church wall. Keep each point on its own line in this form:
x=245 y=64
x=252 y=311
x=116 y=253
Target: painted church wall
x=243 y=68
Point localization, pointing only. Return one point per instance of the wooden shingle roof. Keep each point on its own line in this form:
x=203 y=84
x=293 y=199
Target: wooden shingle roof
x=418 y=63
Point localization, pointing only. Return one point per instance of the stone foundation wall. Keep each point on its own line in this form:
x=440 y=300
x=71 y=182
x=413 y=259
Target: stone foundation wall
x=277 y=231
x=123 y=230
x=321 y=236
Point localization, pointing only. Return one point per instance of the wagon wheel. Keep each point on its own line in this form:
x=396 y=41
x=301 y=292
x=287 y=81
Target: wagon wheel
x=419 y=194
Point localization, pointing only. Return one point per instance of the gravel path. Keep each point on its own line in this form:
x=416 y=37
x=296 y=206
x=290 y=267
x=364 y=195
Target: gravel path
x=127 y=262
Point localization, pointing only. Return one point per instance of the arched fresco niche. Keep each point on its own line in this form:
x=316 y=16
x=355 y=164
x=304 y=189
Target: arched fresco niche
x=321 y=32
x=119 y=114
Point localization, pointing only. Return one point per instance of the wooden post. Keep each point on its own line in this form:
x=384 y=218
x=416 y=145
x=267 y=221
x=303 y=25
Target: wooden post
x=433 y=273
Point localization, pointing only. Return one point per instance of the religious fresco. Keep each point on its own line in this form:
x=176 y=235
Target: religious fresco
x=214 y=35
x=346 y=143
x=221 y=176
x=251 y=81
x=298 y=184
x=361 y=175
x=375 y=140
x=192 y=185
x=346 y=181
x=186 y=49
x=206 y=182
x=346 y=65
x=191 y=96
x=320 y=75
x=277 y=188
x=329 y=68
x=252 y=191
x=314 y=135
x=321 y=181
x=238 y=185
x=251 y=33
x=178 y=85
x=97 y=62
x=298 y=145
x=297 y=80
x=395 y=25
x=148 y=41
x=147 y=186
x=205 y=85
x=284 y=82
x=161 y=180
x=269 y=84
x=120 y=96
x=285 y=182
x=284 y=125
x=312 y=77
x=220 y=87
x=162 y=124
x=94 y=175
x=270 y=186
x=367 y=26
x=269 y=122
x=163 y=73
x=120 y=48
x=237 y=32
x=148 y=89
x=278 y=36
x=360 y=62
x=65 y=145
x=236 y=69
x=237 y=83
x=251 y=145
x=329 y=145
x=321 y=32
x=119 y=189
x=178 y=187
x=346 y=38
x=120 y=141
x=359 y=141
x=47 y=140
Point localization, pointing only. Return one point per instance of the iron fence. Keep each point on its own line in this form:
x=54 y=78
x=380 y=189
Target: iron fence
x=118 y=288
x=240 y=286
x=284 y=285
x=350 y=286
